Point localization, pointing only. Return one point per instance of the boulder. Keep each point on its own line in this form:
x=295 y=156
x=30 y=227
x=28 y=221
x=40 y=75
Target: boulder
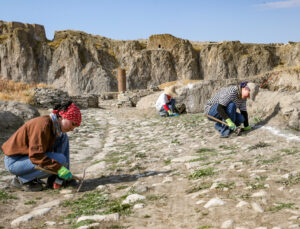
x=23 y=111
x=9 y=122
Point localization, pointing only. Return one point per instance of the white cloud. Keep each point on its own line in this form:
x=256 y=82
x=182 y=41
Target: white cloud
x=282 y=4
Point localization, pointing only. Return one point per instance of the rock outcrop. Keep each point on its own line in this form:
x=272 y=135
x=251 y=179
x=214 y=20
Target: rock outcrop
x=81 y=63
x=13 y=115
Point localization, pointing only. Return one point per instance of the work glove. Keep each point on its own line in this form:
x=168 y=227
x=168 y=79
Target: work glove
x=64 y=173
x=231 y=124
x=247 y=128
x=170 y=113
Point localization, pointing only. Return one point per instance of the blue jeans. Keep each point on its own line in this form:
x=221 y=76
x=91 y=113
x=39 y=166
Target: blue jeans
x=235 y=117
x=22 y=167
x=170 y=105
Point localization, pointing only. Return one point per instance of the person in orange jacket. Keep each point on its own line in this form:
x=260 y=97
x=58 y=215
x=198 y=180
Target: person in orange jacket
x=42 y=142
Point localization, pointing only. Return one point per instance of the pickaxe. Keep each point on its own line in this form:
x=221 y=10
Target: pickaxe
x=55 y=173
x=237 y=131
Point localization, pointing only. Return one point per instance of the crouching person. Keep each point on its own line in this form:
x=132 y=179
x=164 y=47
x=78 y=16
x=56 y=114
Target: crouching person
x=42 y=142
x=165 y=104
x=224 y=104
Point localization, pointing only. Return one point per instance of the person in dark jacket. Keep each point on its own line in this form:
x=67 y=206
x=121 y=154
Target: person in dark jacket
x=42 y=142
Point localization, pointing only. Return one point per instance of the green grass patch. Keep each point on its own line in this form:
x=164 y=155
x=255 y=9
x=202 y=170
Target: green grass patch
x=259 y=145
x=270 y=161
x=140 y=155
x=167 y=162
x=153 y=197
x=122 y=187
x=204 y=227
x=205 y=150
x=175 y=141
x=290 y=151
x=129 y=146
x=226 y=185
x=30 y=202
x=231 y=147
x=4 y=196
x=4 y=173
x=92 y=202
x=115 y=227
x=82 y=223
x=292 y=180
x=198 y=188
x=280 y=205
x=199 y=159
x=201 y=173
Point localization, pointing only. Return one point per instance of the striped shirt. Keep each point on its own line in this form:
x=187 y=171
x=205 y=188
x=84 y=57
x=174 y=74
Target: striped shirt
x=225 y=96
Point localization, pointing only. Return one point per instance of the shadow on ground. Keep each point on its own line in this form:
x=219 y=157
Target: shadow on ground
x=91 y=184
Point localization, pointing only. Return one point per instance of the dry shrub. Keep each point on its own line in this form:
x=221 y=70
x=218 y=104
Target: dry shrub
x=18 y=91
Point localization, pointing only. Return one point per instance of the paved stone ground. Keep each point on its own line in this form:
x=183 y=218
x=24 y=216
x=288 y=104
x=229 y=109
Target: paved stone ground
x=167 y=173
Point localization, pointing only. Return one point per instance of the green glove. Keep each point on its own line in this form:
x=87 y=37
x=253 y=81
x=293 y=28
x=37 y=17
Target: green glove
x=170 y=113
x=247 y=128
x=231 y=124
x=64 y=173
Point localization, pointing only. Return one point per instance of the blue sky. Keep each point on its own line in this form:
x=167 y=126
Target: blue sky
x=254 y=21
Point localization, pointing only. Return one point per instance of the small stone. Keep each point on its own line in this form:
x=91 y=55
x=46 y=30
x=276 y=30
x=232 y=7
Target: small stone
x=100 y=218
x=259 y=194
x=256 y=207
x=241 y=204
x=227 y=224
x=168 y=180
x=89 y=226
x=65 y=191
x=69 y=196
x=214 y=202
x=139 y=206
x=100 y=187
x=50 y=223
x=133 y=198
x=200 y=202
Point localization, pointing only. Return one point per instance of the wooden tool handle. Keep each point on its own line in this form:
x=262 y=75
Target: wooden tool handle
x=218 y=120
x=55 y=173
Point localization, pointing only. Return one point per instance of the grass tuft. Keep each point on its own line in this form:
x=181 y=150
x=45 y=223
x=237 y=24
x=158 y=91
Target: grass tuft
x=201 y=173
x=18 y=91
x=5 y=196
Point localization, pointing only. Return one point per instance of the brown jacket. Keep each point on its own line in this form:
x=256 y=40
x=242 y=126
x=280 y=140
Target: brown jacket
x=34 y=138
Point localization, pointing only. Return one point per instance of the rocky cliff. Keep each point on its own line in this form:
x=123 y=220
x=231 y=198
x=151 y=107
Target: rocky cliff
x=83 y=63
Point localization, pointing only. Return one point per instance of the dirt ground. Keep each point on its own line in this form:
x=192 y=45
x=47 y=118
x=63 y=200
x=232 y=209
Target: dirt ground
x=189 y=176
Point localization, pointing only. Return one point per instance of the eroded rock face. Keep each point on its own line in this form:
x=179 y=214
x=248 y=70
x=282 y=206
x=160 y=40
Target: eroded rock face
x=81 y=63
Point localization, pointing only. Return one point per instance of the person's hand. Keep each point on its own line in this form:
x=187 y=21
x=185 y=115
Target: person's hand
x=231 y=124
x=64 y=173
x=170 y=113
x=247 y=128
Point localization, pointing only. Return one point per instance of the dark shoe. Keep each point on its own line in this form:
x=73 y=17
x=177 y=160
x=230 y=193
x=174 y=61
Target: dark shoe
x=71 y=183
x=31 y=186
x=224 y=136
x=50 y=181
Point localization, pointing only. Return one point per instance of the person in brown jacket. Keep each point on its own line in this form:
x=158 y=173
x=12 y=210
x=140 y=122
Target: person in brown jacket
x=42 y=142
